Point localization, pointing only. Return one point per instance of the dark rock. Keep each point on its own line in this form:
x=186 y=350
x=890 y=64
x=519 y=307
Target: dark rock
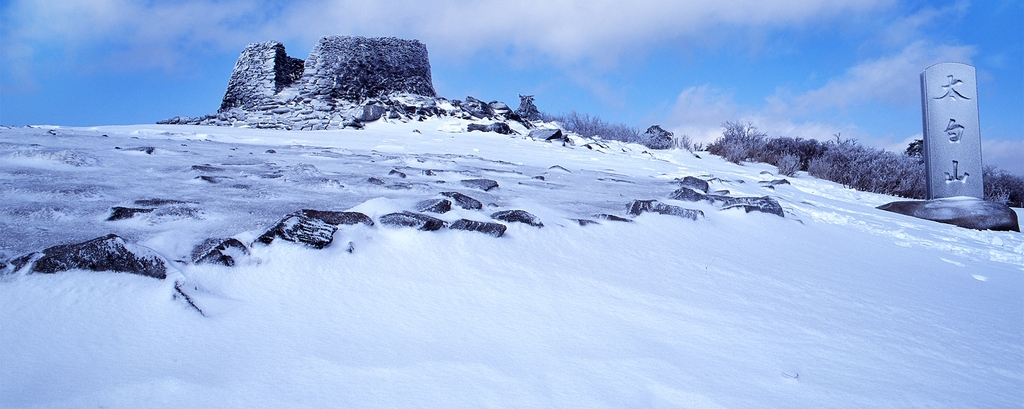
x=586 y=222
x=464 y=201
x=148 y=149
x=371 y=113
x=477 y=108
x=773 y=183
x=299 y=228
x=121 y=213
x=689 y=195
x=482 y=184
x=547 y=134
x=493 y=229
x=694 y=183
x=965 y=212
x=497 y=127
x=414 y=220
x=338 y=218
x=210 y=179
x=638 y=207
x=262 y=71
x=396 y=172
x=435 y=206
x=517 y=216
x=527 y=110
x=612 y=217
x=355 y=124
x=157 y=202
x=375 y=181
x=754 y=204
x=107 y=253
x=657 y=138
x=207 y=168
x=270 y=151
x=218 y=251
x=358 y=68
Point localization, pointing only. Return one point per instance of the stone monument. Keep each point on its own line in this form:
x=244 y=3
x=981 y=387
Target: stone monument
x=952 y=133
x=952 y=155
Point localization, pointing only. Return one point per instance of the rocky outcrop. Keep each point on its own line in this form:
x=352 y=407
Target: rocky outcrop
x=219 y=251
x=527 y=110
x=464 y=201
x=414 y=220
x=262 y=71
x=482 y=184
x=493 y=229
x=359 y=68
x=314 y=228
x=638 y=207
x=517 y=216
x=657 y=138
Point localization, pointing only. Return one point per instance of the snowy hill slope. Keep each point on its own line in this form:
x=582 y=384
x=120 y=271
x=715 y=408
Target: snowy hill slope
x=837 y=304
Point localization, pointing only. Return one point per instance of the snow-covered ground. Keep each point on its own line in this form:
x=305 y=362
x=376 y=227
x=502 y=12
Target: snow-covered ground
x=836 y=305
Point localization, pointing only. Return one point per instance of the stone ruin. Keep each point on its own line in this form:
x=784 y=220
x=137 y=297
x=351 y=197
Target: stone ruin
x=344 y=82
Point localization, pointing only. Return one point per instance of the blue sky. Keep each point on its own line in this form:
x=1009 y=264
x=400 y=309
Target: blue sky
x=797 y=68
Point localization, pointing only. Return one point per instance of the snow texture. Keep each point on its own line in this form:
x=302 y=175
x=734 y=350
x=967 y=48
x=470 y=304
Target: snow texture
x=837 y=304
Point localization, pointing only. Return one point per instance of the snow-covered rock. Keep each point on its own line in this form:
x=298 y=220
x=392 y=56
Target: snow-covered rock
x=968 y=212
x=107 y=253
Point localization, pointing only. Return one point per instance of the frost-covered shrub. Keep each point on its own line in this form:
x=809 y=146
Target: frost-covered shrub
x=739 y=143
x=869 y=169
x=788 y=164
x=1003 y=187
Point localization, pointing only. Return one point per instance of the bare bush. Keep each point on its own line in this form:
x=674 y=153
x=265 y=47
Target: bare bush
x=869 y=169
x=788 y=164
x=739 y=143
x=1003 y=187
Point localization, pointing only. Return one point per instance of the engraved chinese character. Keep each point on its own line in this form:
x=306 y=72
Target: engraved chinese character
x=954 y=130
x=951 y=91
x=956 y=176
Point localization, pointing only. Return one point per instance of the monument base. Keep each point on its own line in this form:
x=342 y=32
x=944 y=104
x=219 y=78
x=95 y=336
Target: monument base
x=967 y=212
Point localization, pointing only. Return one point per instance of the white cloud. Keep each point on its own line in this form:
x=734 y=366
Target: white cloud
x=1007 y=154
x=565 y=32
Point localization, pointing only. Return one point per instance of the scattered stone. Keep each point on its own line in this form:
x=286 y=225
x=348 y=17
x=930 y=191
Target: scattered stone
x=497 y=127
x=121 y=213
x=157 y=202
x=210 y=179
x=464 y=201
x=689 y=195
x=694 y=183
x=414 y=220
x=612 y=217
x=338 y=218
x=270 y=151
x=398 y=173
x=219 y=251
x=482 y=184
x=763 y=204
x=435 y=206
x=207 y=168
x=107 y=253
x=148 y=149
x=547 y=134
x=586 y=222
x=517 y=216
x=375 y=181
x=967 y=212
x=429 y=172
x=493 y=229
x=299 y=228
x=638 y=207
x=772 y=183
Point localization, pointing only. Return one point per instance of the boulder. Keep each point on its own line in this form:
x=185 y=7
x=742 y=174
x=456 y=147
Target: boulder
x=338 y=218
x=370 y=113
x=763 y=204
x=107 y=253
x=358 y=68
x=657 y=138
x=966 y=212
x=219 y=251
x=547 y=134
x=493 y=229
x=694 y=183
x=517 y=216
x=121 y=213
x=464 y=201
x=497 y=127
x=477 y=108
x=299 y=228
x=435 y=206
x=414 y=220
x=638 y=207
x=689 y=195
x=482 y=184
x=612 y=217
